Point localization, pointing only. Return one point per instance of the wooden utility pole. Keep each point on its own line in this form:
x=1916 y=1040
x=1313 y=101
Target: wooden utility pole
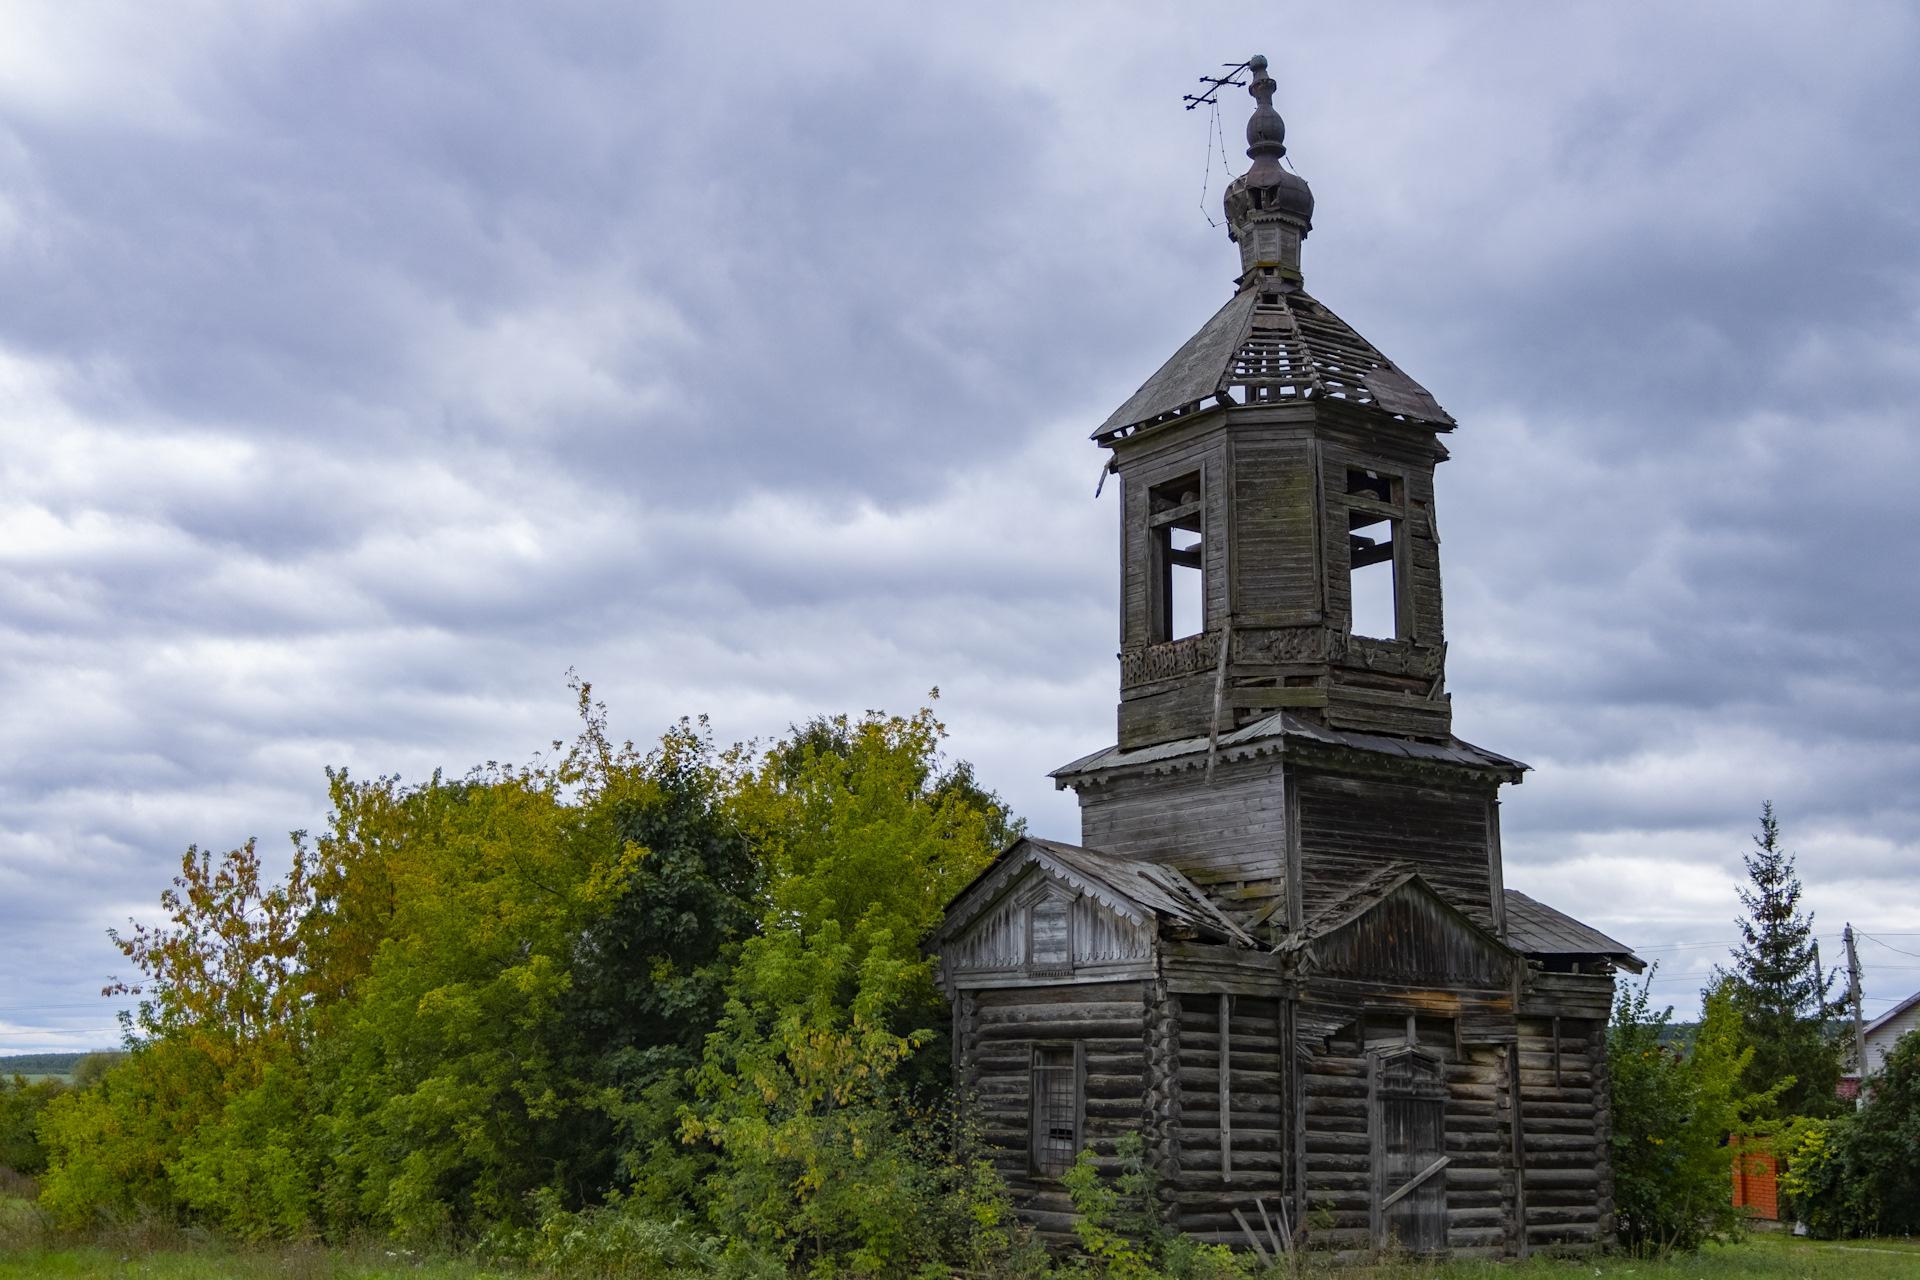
x=1853 y=994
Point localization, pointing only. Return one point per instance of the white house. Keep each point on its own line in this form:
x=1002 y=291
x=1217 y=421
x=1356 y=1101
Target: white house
x=1880 y=1035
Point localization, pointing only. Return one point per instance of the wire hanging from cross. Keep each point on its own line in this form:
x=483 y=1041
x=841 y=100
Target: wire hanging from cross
x=1210 y=98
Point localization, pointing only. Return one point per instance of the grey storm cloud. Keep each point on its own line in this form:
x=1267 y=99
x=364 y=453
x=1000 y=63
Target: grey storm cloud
x=363 y=368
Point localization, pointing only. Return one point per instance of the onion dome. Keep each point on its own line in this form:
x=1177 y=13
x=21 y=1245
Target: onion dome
x=1272 y=344
x=1269 y=210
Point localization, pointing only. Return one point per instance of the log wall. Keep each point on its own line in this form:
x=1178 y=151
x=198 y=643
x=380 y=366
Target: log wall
x=1350 y=827
x=1335 y=1135
x=1563 y=1110
x=1112 y=1021
x=1232 y=835
x=1253 y=1139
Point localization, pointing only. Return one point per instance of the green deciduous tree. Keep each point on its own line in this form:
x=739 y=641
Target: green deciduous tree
x=857 y=823
x=1672 y=1116
x=448 y=1088
x=822 y=1090
x=650 y=974
x=225 y=1002
x=21 y=1103
x=607 y=989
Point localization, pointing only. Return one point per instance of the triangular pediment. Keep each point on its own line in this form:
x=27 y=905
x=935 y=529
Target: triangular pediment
x=1033 y=921
x=1049 y=909
x=1401 y=931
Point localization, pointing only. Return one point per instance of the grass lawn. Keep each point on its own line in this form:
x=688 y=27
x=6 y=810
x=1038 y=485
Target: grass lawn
x=1772 y=1257
x=165 y=1254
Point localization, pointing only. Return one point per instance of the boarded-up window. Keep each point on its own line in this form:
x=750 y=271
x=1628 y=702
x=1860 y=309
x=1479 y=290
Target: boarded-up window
x=1056 y=1108
x=1051 y=940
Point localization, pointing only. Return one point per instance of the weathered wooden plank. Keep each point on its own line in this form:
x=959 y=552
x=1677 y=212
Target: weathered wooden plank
x=1158 y=818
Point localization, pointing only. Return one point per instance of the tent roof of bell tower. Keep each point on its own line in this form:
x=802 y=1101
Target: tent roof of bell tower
x=1276 y=344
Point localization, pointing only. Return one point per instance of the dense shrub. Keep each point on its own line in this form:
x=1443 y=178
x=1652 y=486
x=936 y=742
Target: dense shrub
x=1859 y=1174
x=569 y=1010
x=1672 y=1115
x=21 y=1103
x=622 y=1238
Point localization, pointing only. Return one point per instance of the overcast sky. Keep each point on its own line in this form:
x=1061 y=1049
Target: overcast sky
x=365 y=367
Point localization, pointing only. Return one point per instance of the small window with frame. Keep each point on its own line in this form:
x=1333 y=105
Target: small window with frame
x=1059 y=1088
x=1176 y=529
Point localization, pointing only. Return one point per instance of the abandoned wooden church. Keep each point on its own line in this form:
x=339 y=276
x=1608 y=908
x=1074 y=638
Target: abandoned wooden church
x=1282 y=951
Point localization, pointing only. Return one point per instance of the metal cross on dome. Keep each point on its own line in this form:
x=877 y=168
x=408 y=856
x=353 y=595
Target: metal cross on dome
x=1215 y=84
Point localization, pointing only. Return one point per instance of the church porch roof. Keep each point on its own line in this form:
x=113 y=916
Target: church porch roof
x=1537 y=930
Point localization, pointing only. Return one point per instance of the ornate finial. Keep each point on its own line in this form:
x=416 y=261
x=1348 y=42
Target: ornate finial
x=1266 y=131
x=1269 y=210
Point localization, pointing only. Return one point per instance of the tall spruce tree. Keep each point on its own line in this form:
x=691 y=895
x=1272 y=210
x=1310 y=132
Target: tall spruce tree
x=1779 y=985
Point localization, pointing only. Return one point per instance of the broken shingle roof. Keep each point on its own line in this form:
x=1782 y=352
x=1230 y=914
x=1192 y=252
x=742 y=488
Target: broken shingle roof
x=1139 y=890
x=1275 y=346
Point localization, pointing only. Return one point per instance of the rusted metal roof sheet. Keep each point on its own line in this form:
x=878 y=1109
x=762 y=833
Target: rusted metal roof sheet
x=1538 y=930
x=1269 y=735
x=1275 y=347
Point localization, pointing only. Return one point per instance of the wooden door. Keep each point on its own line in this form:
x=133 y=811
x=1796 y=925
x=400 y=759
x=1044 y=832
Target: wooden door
x=1410 y=1184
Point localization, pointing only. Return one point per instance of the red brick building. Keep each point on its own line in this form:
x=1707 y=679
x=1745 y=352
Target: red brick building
x=1756 y=1184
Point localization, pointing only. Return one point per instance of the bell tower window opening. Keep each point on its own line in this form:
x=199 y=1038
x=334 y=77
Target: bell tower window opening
x=1373 y=541
x=1176 y=528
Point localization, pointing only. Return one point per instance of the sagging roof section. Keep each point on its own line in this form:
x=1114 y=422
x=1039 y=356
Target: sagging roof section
x=1270 y=735
x=1274 y=347
x=1536 y=929
x=1138 y=890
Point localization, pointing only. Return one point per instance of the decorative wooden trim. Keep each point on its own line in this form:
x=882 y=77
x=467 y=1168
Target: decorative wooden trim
x=1496 y=873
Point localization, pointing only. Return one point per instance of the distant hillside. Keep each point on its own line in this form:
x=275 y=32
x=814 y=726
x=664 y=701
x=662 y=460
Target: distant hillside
x=1680 y=1036
x=40 y=1064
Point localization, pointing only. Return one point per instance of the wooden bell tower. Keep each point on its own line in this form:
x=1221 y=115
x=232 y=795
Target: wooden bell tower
x=1279 y=548
x=1283 y=952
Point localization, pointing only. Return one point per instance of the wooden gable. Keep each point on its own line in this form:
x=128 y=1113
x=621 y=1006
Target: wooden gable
x=1406 y=934
x=1035 y=921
